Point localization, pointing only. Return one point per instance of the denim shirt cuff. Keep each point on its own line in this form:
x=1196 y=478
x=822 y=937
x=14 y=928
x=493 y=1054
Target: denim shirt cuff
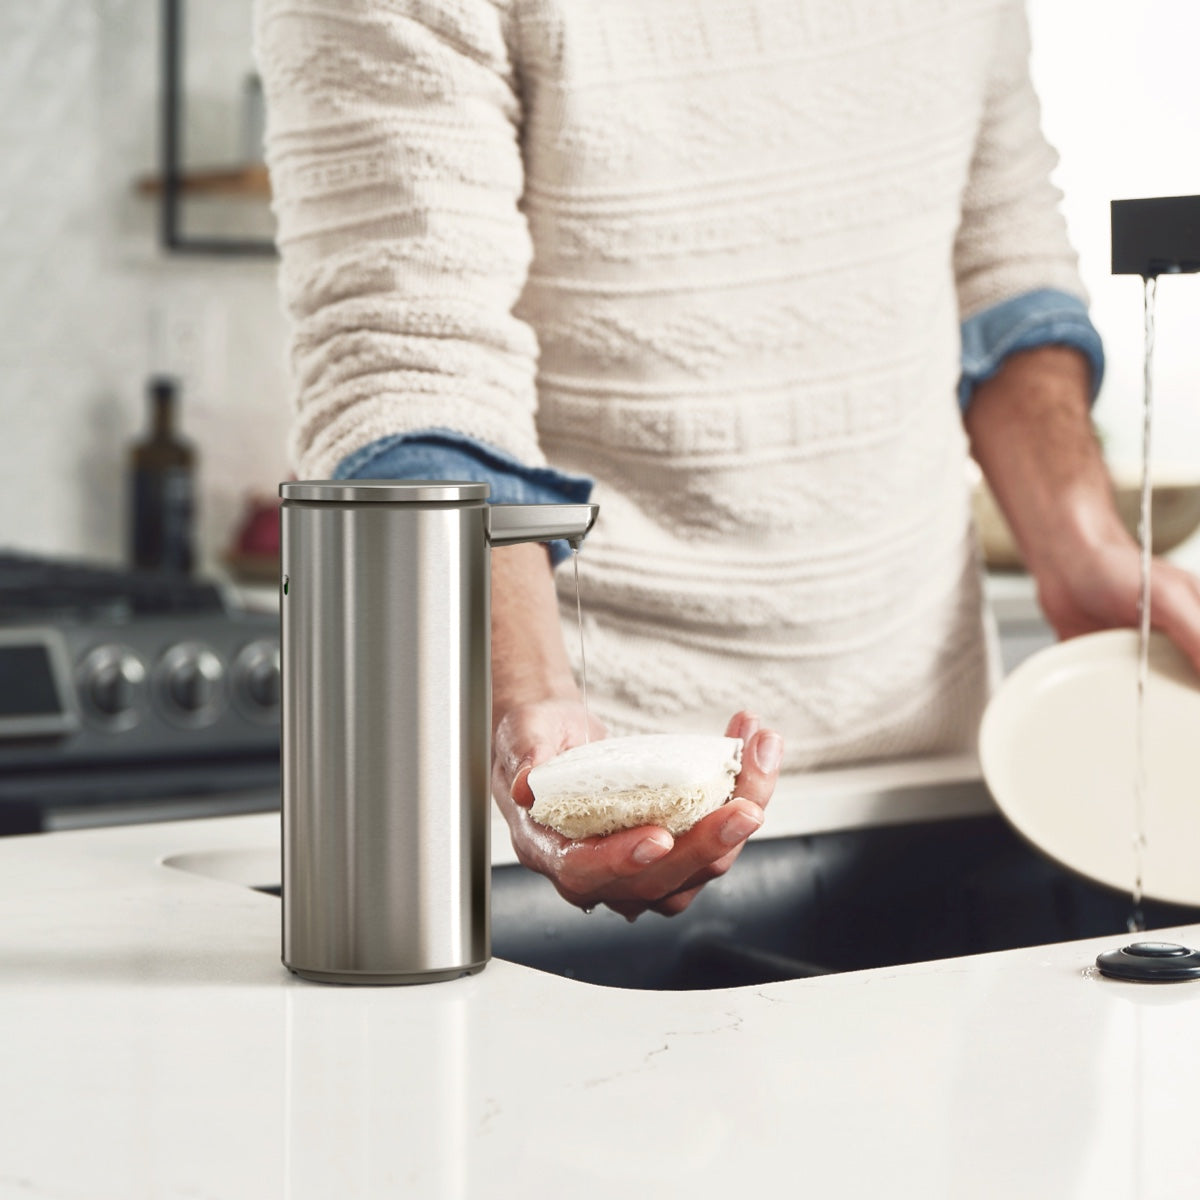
x=1046 y=317
x=446 y=454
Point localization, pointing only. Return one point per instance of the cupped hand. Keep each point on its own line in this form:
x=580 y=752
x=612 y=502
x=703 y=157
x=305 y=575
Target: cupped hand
x=631 y=870
x=1100 y=588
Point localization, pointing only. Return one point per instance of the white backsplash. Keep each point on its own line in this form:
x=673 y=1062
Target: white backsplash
x=89 y=305
x=1120 y=101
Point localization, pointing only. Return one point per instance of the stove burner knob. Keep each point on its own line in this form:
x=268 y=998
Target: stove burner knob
x=262 y=683
x=256 y=679
x=111 y=682
x=113 y=687
x=191 y=677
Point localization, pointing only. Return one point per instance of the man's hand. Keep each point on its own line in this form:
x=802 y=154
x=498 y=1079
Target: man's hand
x=1030 y=431
x=1100 y=588
x=634 y=869
x=538 y=714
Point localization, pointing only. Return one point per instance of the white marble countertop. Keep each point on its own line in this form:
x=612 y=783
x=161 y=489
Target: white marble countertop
x=153 y=1046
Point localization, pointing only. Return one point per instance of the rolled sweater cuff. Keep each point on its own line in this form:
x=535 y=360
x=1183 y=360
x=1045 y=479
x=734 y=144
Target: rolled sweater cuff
x=1046 y=317
x=446 y=454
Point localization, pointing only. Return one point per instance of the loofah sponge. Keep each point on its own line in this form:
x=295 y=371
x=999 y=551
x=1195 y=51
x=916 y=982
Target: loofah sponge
x=663 y=779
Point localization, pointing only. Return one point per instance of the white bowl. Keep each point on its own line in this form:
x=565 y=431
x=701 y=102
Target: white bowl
x=1058 y=751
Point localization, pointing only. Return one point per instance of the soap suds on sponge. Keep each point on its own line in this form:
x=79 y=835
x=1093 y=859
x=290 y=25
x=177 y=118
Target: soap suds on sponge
x=670 y=780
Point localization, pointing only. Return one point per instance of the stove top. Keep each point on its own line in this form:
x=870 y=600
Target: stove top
x=54 y=588
x=112 y=679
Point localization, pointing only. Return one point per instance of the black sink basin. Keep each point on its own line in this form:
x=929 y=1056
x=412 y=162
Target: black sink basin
x=802 y=906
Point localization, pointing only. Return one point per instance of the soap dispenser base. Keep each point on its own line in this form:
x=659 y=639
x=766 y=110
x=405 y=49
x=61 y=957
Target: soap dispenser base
x=386 y=979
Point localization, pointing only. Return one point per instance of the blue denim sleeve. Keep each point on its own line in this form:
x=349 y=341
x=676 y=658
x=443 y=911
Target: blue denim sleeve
x=1043 y=318
x=446 y=454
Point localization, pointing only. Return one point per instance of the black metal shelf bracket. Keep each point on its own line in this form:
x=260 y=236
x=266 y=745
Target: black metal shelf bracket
x=171 y=232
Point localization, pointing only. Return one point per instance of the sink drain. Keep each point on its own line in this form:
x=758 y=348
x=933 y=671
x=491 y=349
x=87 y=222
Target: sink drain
x=1150 y=962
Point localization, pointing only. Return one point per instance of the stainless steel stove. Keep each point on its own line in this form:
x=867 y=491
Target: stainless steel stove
x=128 y=695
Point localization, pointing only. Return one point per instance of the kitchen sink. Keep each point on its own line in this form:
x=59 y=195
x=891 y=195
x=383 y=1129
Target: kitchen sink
x=815 y=905
x=819 y=904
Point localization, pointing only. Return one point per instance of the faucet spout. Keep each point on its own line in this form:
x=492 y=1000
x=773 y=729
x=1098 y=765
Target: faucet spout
x=510 y=524
x=1157 y=236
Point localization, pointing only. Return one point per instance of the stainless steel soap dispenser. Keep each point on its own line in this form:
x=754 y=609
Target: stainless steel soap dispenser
x=386 y=738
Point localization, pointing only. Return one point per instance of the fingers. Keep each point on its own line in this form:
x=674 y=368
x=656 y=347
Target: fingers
x=673 y=905
x=520 y=790
x=742 y=725
x=762 y=754
x=524 y=737
x=629 y=909
x=1175 y=608
x=761 y=761
x=531 y=734
x=597 y=868
x=706 y=851
x=669 y=906
x=644 y=867
x=633 y=869
x=710 y=847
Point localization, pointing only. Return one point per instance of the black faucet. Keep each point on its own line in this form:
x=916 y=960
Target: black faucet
x=1159 y=236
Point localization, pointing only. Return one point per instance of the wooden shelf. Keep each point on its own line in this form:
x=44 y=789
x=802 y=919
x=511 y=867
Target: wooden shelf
x=250 y=181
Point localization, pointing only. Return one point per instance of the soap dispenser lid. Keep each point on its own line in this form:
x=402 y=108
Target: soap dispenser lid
x=384 y=491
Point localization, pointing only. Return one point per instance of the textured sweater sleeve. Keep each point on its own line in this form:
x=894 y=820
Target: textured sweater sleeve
x=1012 y=238
x=392 y=141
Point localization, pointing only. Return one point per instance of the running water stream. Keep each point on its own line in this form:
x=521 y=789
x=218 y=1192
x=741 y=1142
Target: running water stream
x=1137 y=922
x=587 y=720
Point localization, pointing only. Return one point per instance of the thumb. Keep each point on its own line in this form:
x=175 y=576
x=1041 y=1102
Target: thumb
x=519 y=789
x=522 y=741
x=510 y=774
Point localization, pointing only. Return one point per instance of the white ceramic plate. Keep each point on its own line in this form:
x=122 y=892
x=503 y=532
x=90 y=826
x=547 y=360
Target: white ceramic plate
x=1058 y=750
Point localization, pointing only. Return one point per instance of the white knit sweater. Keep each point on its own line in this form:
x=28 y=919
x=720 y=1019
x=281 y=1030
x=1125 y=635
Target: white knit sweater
x=713 y=253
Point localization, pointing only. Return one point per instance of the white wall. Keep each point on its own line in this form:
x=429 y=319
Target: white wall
x=1121 y=101
x=88 y=306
